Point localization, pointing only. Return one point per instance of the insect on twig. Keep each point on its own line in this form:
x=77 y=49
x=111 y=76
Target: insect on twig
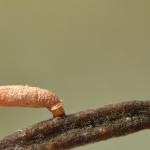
x=25 y=96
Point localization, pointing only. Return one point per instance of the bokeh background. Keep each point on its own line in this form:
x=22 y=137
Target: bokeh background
x=89 y=52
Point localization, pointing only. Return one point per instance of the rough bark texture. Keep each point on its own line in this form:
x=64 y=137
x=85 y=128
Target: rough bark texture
x=62 y=133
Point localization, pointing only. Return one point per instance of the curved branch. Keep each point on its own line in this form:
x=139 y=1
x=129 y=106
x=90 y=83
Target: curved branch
x=62 y=133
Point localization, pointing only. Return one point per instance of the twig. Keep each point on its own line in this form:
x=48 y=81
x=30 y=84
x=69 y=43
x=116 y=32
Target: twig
x=62 y=133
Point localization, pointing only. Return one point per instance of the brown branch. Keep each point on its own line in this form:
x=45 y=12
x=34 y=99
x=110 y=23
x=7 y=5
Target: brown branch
x=62 y=133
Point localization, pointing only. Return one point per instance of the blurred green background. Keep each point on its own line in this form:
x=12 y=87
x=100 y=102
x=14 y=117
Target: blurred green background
x=89 y=52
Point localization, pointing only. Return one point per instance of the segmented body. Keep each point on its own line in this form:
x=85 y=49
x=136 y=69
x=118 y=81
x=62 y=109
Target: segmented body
x=25 y=96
